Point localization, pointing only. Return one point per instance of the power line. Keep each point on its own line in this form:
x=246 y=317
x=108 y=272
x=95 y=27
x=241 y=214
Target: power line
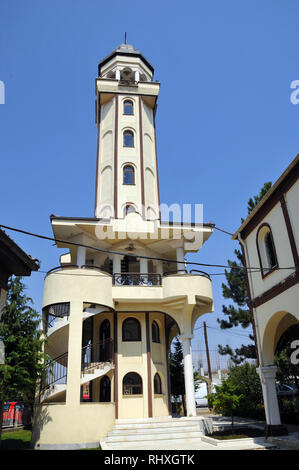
x=67 y=242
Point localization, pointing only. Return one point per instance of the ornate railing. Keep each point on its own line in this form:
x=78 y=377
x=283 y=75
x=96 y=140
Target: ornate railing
x=136 y=279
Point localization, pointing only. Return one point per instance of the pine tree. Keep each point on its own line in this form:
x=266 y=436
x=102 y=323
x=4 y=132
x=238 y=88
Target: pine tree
x=23 y=346
x=236 y=289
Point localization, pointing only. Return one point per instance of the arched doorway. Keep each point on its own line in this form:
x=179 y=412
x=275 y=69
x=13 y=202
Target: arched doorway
x=105 y=389
x=105 y=341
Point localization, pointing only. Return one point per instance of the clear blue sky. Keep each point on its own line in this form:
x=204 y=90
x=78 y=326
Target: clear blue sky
x=225 y=121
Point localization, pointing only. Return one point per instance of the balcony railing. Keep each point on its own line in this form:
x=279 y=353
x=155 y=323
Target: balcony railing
x=136 y=279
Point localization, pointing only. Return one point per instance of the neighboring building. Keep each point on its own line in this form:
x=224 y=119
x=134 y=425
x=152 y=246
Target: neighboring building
x=269 y=238
x=13 y=261
x=113 y=306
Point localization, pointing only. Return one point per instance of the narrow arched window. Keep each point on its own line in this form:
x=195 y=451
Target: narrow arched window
x=266 y=249
x=128 y=209
x=132 y=384
x=128 y=139
x=131 y=330
x=155 y=332
x=157 y=385
x=128 y=107
x=128 y=175
x=105 y=389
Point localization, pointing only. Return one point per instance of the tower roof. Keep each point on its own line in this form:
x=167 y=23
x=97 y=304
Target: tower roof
x=125 y=50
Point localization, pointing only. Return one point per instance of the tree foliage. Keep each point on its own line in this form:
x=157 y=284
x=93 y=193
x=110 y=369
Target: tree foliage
x=23 y=345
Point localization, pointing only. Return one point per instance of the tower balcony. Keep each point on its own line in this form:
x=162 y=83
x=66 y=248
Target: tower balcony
x=125 y=291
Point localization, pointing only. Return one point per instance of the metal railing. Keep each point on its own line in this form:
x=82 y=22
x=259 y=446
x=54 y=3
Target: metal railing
x=93 y=354
x=137 y=279
x=55 y=371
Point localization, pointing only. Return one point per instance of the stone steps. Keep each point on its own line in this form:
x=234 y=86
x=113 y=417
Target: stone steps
x=153 y=432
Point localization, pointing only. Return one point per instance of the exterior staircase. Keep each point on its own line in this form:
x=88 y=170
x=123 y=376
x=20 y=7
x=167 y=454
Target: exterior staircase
x=154 y=433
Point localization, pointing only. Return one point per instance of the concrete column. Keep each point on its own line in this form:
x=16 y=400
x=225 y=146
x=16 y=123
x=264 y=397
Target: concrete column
x=188 y=375
x=137 y=76
x=273 y=424
x=74 y=354
x=143 y=266
x=117 y=74
x=116 y=264
x=180 y=260
x=81 y=254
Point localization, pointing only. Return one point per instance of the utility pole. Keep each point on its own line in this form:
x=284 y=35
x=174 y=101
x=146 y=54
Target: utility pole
x=208 y=355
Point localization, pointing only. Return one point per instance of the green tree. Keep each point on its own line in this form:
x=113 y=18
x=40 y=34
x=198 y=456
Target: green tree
x=23 y=347
x=225 y=400
x=247 y=382
x=238 y=313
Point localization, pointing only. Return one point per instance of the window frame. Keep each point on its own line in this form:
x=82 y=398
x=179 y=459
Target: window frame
x=131 y=133
x=129 y=340
x=128 y=100
x=160 y=390
x=156 y=336
x=132 y=170
x=139 y=386
x=261 y=244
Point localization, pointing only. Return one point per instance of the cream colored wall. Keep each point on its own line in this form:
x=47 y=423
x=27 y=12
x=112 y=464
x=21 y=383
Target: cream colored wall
x=292 y=198
x=58 y=424
x=283 y=251
x=159 y=365
x=132 y=358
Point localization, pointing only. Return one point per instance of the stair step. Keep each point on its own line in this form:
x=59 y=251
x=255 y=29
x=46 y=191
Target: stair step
x=153 y=430
x=160 y=444
x=140 y=426
x=153 y=437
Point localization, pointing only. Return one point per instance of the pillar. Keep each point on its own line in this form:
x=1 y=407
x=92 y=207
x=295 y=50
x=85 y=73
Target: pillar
x=74 y=354
x=81 y=252
x=188 y=375
x=116 y=264
x=117 y=74
x=273 y=424
x=143 y=266
x=180 y=260
x=137 y=76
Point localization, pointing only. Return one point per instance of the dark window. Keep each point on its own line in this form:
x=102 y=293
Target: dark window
x=266 y=249
x=157 y=385
x=270 y=250
x=129 y=175
x=128 y=139
x=131 y=330
x=132 y=384
x=155 y=332
x=128 y=107
x=128 y=209
x=105 y=389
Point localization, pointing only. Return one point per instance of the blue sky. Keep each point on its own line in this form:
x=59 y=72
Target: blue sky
x=225 y=122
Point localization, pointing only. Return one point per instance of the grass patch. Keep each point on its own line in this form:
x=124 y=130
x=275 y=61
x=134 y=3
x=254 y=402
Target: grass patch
x=238 y=433
x=16 y=440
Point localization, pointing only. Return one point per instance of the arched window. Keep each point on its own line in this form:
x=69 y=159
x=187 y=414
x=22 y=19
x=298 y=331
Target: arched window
x=105 y=389
x=128 y=175
x=132 y=384
x=128 y=107
x=266 y=249
x=128 y=209
x=157 y=385
x=128 y=139
x=131 y=330
x=155 y=332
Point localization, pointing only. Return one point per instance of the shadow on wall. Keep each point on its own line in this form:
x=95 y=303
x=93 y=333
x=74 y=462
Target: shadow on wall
x=40 y=419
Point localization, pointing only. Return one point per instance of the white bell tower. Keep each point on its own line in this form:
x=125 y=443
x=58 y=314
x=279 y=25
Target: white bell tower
x=127 y=173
